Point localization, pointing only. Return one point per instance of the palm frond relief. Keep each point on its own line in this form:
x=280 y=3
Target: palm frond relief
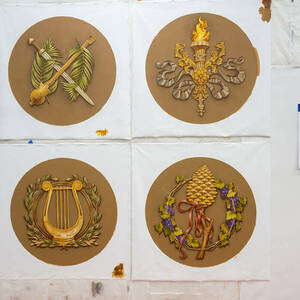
x=81 y=71
x=42 y=70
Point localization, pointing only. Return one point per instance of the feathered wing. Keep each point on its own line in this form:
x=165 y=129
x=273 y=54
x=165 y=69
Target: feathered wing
x=81 y=72
x=42 y=69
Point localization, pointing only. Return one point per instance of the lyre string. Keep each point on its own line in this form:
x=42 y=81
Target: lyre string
x=57 y=210
x=68 y=209
x=61 y=208
x=65 y=220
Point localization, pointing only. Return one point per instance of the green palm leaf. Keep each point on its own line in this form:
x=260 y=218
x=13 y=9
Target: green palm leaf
x=81 y=72
x=42 y=69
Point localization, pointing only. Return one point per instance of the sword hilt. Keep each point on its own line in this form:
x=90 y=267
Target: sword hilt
x=31 y=41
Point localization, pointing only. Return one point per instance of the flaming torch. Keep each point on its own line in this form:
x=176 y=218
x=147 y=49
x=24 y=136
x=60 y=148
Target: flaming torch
x=200 y=45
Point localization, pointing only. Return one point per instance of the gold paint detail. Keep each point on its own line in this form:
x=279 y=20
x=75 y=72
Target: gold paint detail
x=62 y=235
x=200 y=34
x=118 y=271
x=206 y=70
x=79 y=234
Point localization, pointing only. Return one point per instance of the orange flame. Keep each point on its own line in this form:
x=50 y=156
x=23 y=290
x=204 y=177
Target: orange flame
x=200 y=34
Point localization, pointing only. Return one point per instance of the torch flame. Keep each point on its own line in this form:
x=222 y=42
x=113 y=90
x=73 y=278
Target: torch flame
x=200 y=34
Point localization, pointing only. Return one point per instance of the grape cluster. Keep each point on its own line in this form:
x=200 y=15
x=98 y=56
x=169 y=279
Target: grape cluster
x=224 y=192
x=184 y=241
x=234 y=200
x=168 y=224
x=230 y=223
x=170 y=210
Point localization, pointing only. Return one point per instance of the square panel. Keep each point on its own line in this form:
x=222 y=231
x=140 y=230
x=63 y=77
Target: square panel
x=16 y=261
x=155 y=260
x=251 y=119
x=109 y=80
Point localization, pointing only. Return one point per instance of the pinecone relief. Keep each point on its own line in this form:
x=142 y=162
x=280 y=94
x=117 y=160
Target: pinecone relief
x=202 y=187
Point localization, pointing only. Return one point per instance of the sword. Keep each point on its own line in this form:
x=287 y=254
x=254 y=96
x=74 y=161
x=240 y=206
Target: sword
x=65 y=75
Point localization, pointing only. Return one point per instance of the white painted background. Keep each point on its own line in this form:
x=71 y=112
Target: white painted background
x=285 y=207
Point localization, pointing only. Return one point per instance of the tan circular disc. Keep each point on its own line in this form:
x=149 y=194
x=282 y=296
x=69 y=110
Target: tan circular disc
x=66 y=33
x=63 y=168
x=165 y=182
x=237 y=44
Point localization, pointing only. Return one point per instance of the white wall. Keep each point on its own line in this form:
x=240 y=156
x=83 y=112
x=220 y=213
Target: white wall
x=285 y=201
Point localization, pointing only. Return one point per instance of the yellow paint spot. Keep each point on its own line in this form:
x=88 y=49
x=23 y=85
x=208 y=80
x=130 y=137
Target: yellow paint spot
x=102 y=132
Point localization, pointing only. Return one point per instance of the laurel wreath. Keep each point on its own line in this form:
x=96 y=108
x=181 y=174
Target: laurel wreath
x=232 y=223
x=38 y=239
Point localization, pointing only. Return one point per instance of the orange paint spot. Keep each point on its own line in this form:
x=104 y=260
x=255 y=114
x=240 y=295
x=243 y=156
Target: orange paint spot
x=118 y=271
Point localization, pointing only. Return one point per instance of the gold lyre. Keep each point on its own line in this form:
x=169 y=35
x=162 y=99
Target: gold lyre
x=62 y=233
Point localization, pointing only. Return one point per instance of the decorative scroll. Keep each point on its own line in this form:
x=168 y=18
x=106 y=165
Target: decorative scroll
x=62 y=232
x=201 y=192
x=206 y=74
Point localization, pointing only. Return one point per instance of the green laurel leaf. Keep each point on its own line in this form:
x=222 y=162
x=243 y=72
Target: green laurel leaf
x=237 y=226
x=158 y=228
x=224 y=243
x=170 y=200
x=239 y=208
x=195 y=243
x=228 y=204
x=230 y=215
x=231 y=193
x=178 y=231
x=224 y=228
x=219 y=184
x=243 y=201
x=172 y=237
x=239 y=217
x=230 y=186
x=165 y=216
x=166 y=231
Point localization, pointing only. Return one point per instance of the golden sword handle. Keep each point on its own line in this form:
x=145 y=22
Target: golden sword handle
x=88 y=42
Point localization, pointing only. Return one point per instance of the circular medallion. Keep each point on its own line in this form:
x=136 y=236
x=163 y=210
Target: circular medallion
x=63 y=211
x=200 y=212
x=201 y=68
x=62 y=71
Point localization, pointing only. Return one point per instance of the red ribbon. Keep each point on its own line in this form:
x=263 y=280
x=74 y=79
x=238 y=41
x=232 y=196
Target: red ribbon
x=199 y=210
